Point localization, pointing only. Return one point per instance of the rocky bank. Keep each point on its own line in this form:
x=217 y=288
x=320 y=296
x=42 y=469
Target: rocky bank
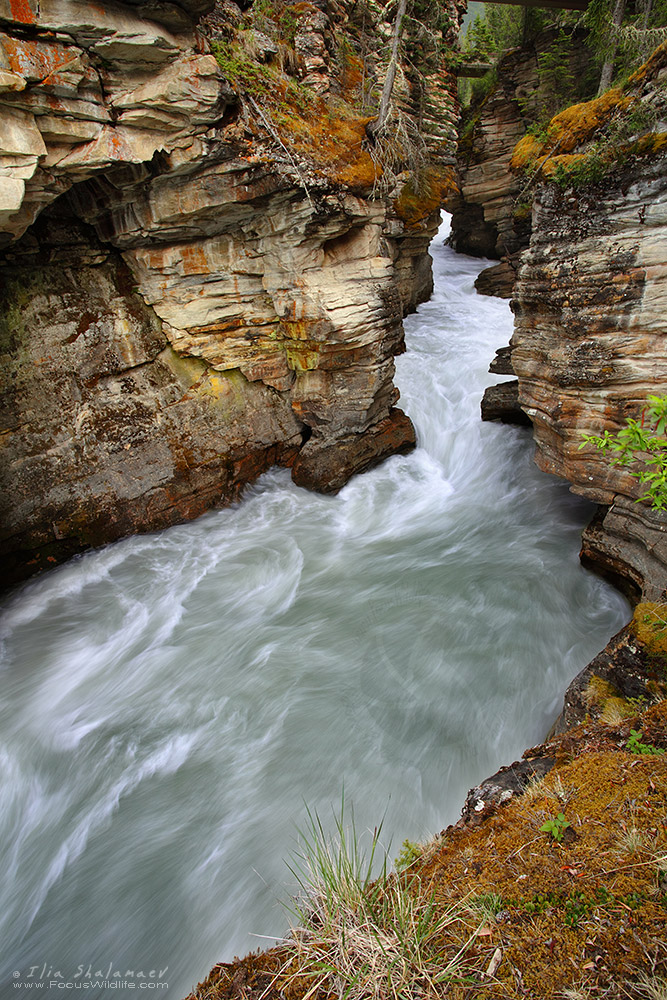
x=207 y=259
x=589 y=297
x=590 y=306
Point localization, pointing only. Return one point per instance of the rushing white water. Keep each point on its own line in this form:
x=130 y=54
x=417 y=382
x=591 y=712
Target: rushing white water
x=169 y=704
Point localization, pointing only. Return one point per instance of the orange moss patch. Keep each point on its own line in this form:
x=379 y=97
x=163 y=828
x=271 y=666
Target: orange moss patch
x=352 y=74
x=419 y=199
x=526 y=152
x=569 y=129
x=652 y=66
x=649 y=625
x=575 y=125
x=332 y=138
x=607 y=703
x=553 y=155
x=302 y=8
x=588 y=912
x=648 y=145
x=550 y=164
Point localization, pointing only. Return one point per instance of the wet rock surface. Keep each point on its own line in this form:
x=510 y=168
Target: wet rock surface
x=501 y=402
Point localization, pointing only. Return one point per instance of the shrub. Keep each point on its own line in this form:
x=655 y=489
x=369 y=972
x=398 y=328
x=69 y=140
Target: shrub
x=642 y=442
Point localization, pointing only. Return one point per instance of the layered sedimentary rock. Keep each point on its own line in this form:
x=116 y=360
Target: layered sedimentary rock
x=491 y=214
x=485 y=222
x=591 y=307
x=198 y=282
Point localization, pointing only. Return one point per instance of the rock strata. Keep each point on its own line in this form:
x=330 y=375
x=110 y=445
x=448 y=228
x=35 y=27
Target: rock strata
x=491 y=213
x=484 y=221
x=198 y=281
x=588 y=343
x=501 y=402
x=588 y=349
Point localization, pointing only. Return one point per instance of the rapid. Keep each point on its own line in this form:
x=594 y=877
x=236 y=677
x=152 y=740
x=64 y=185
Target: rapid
x=172 y=704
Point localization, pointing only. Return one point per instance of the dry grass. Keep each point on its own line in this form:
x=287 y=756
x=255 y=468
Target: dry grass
x=494 y=910
x=652 y=987
x=364 y=937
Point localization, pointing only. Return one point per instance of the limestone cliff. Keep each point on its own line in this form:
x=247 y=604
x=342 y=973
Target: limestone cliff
x=207 y=258
x=590 y=307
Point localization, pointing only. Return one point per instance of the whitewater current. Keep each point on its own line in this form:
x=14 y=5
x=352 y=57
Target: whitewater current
x=172 y=704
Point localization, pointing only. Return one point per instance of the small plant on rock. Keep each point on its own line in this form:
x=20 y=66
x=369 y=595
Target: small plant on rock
x=641 y=441
x=635 y=744
x=410 y=852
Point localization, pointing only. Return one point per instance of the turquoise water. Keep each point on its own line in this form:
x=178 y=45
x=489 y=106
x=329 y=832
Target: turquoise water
x=170 y=704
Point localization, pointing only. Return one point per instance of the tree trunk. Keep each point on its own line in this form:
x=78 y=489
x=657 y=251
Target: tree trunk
x=387 y=90
x=608 y=65
x=645 y=47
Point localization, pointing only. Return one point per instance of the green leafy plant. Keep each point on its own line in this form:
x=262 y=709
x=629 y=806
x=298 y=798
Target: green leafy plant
x=635 y=744
x=556 y=827
x=642 y=441
x=589 y=169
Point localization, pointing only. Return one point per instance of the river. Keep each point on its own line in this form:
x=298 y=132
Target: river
x=171 y=704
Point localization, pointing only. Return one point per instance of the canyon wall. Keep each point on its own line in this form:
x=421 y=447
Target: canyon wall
x=207 y=259
x=491 y=208
x=485 y=222
x=591 y=310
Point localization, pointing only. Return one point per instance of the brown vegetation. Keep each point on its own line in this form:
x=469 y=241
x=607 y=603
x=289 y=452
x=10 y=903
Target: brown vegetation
x=527 y=915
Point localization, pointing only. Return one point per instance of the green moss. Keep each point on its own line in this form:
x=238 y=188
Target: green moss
x=649 y=625
x=241 y=70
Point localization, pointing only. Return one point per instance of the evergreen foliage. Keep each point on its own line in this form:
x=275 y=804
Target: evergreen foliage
x=642 y=27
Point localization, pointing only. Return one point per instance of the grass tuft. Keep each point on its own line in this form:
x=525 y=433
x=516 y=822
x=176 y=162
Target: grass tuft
x=362 y=935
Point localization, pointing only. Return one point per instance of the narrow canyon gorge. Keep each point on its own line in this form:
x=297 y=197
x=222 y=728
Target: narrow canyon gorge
x=214 y=219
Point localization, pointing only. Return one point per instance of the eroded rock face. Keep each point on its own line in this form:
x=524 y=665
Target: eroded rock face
x=108 y=430
x=485 y=222
x=491 y=214
x=194 y=290
x=588 y=347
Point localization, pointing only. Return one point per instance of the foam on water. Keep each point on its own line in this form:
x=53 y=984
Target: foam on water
x=168 y=704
